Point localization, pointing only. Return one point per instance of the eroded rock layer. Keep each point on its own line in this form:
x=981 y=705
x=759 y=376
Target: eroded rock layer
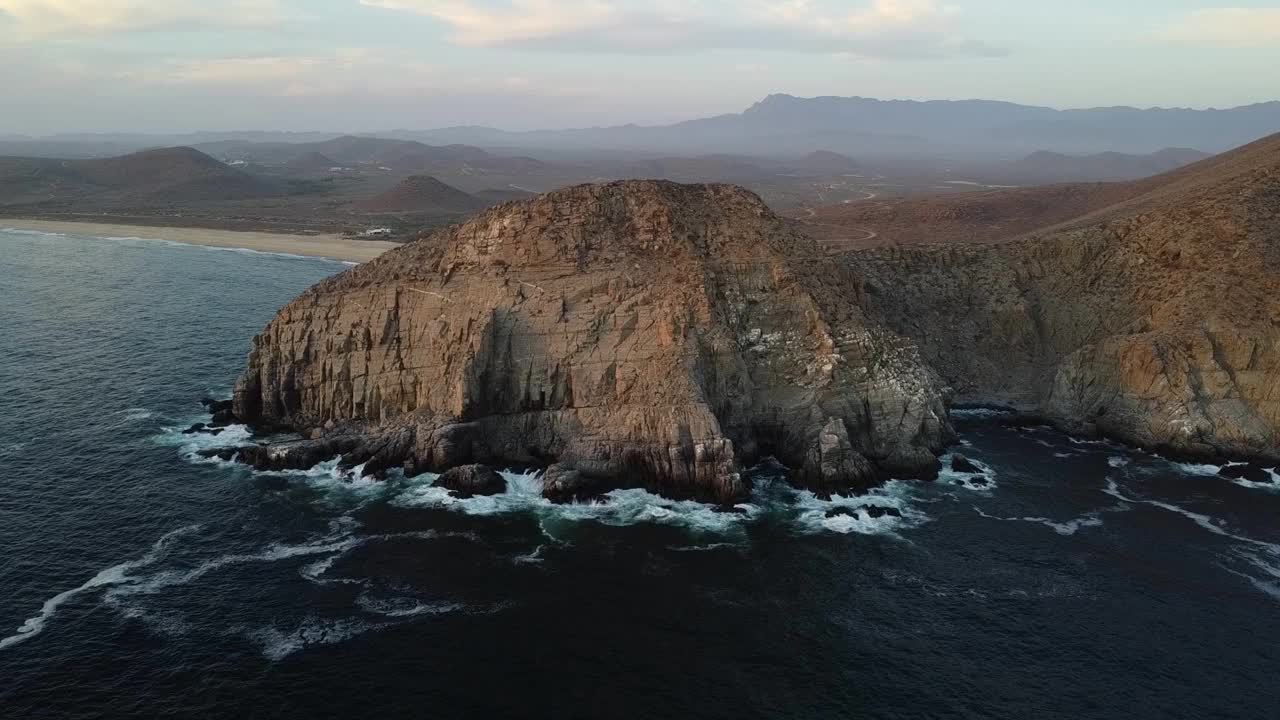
x=631 y=333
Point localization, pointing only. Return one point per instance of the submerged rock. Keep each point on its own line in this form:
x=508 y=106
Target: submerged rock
x=469 y=480
x=872 y=511
x=636 y=333
x=1246 y=471
x=962 y=464
x=216 y=406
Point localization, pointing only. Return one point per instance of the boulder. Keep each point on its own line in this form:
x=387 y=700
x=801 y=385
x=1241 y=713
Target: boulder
x=565 y=485
x=962 y=464
x=469 y=480
x=216 y=406
x=872 y=511
x=879 y=511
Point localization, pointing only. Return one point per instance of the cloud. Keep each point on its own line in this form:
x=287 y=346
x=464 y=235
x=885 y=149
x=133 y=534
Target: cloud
x=43 y=17
x=353 y=72
x=879 y=28
x=1232 y=27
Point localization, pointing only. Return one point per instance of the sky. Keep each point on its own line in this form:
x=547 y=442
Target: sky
x=369 y=65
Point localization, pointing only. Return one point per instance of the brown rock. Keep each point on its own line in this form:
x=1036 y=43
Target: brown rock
x=639 y=333
x=1156 y=321
x=469 y=480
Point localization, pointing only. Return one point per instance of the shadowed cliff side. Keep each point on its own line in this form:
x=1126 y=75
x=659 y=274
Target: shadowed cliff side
x=631 y=333
x=1156 y=321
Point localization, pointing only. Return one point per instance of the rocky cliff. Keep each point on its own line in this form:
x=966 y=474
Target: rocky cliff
x=631 y=333
x=1156 y=321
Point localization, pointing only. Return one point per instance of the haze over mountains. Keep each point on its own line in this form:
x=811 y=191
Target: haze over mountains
x=784 y=124
x=788 y=124
x=797 y=153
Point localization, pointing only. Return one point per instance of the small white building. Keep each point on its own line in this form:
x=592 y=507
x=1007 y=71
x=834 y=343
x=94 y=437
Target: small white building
x=377 y=232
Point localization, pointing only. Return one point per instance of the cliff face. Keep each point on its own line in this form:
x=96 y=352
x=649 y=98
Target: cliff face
x=1157 y=323
x=637 y=332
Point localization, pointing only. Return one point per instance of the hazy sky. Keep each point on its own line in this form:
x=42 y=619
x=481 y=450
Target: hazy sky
x=171 y=65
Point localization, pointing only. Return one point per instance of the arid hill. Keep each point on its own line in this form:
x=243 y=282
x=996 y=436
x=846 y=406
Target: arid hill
x=639 y=332
x=1112 y=166
x=827 y=164
x=373 y=152
x=996 y=215
x=169 y=176
x=1155 y=320
x=312 y=163
x=420 y=194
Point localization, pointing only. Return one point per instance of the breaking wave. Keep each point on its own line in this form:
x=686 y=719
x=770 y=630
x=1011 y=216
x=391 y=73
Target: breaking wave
x=984 y=481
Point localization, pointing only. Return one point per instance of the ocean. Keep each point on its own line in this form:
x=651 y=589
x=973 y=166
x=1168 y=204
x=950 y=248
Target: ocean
x=1073 y=579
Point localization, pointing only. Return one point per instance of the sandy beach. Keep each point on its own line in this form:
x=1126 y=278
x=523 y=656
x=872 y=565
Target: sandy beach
x=329 y=246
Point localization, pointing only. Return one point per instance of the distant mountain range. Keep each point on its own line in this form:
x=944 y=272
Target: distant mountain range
x=389 y=153
x=788 y=125
x=778 y=126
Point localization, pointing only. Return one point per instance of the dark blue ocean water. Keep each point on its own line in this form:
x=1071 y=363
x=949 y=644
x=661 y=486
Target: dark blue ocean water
x=1085 y=581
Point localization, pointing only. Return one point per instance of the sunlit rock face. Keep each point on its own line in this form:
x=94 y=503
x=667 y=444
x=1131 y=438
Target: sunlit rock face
x=1157 y=322
x=630 y=333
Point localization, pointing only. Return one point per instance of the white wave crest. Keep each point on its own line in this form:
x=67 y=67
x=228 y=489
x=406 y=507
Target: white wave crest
x=984 y=482
x=1272 y=486
x=619 y=507
x=812 y=511
x=114 y=575
x=31 y=233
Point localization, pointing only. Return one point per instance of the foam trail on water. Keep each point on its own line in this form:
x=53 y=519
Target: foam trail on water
x=273 y=553
x=114 y=575
x=136 y=414
x=1204 y=521
x=1270 y=567
x=1069 y=527
x=403 y=607
x=279 y=644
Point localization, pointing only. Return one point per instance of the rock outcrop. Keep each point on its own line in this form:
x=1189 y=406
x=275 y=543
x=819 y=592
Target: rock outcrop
x=1156 y=322
x=635 y=333
x=469 y=480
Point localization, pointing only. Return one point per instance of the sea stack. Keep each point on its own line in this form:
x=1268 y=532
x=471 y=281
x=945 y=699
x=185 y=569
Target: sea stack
x=633 y=333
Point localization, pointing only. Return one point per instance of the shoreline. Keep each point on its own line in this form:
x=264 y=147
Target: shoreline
x=334 y=247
